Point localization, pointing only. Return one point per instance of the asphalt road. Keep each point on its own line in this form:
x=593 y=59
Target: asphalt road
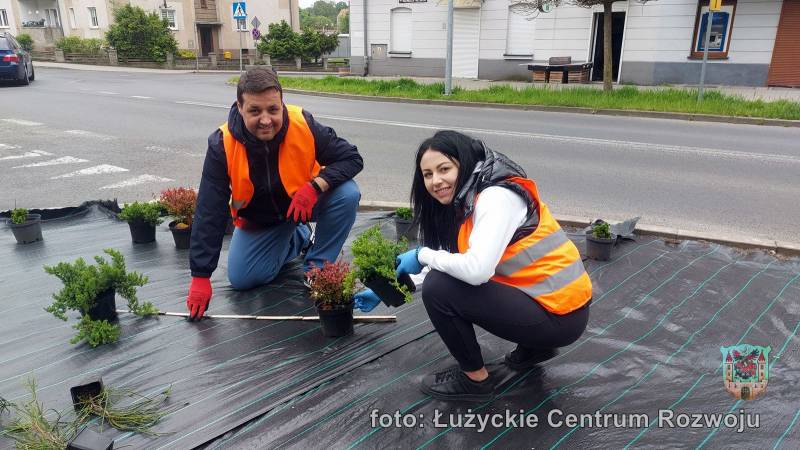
x=73 y=136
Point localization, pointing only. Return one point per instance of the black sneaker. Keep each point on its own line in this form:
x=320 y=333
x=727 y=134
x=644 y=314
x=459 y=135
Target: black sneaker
x=307 y=282
x=454 y=384
x=524 y=358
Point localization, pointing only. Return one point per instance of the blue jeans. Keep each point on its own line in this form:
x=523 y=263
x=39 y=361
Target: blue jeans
x=256 y=256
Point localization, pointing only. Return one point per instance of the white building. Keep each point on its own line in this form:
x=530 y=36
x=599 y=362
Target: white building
x=754 y=42
x=204 y=24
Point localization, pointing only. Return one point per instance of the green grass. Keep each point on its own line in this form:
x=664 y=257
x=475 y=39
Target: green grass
x=626 y=97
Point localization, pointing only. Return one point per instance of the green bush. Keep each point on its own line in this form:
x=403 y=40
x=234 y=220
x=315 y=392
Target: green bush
x=280 y=42
x=601 y=230
x=26 y=41
x=186 y=54
x=75 y=44
x=139 y=34
x=404 y=213
x=142 y=212
x=374 y=256
x=18 y=215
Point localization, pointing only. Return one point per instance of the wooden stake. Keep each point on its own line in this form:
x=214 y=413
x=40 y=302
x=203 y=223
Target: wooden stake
x=358 y=319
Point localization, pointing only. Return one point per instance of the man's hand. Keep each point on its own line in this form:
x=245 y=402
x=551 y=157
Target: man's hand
x=303 y=203
x=366 y=300
x=408 y=263
x=199 y=296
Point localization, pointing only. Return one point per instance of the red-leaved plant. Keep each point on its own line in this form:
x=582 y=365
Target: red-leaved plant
x=180 y=203
x=332 y=285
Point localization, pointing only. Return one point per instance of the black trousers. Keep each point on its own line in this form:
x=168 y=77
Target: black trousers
x=455 y=307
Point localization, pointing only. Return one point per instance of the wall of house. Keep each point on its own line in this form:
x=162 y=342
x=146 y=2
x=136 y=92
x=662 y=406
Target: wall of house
x=12 y=14
x=267 y=11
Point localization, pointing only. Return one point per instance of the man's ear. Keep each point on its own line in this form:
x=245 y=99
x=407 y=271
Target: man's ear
x=240 y=107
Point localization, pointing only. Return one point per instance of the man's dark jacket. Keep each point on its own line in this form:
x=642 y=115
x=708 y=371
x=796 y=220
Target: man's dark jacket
x=270 y=200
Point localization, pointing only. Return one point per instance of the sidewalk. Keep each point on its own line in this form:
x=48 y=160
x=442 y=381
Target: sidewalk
x=746 y=92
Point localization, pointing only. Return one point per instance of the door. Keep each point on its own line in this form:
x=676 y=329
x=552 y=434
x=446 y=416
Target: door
x=784 y=69
x=206 y=41
x=466 y=28
x=617 y=27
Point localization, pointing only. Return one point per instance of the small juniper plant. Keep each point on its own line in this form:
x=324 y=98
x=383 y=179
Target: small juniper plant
x=332 y=285
x=19 y=215
x=374 y=256
x=83 y=283
x=148 y=213
x=601 y=230
x=403 y=213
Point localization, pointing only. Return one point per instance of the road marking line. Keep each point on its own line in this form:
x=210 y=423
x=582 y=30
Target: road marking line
x=107 y=93
x=26 y=123
x=89 y=134
x=141 y=179
x=140 y=96
x=160 y=149
x=628 y=145
x=96 y=170
x=54 y=162
x=33 y=154
x=7 y=147
x=210 y=105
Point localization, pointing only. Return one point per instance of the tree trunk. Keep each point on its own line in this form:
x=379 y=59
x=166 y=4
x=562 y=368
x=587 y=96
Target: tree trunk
x=608 y=61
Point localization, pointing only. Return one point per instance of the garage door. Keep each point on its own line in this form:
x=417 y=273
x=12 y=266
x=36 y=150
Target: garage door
x=785 y=67
x=466 y=26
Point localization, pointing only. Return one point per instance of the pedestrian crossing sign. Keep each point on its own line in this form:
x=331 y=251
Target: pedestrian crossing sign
x=239 y=10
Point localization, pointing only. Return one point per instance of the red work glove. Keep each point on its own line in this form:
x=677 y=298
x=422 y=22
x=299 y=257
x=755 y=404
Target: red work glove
x=199 y=296
x=302 y=203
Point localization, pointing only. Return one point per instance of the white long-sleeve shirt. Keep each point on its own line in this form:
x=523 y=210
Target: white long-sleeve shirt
x=498 y=213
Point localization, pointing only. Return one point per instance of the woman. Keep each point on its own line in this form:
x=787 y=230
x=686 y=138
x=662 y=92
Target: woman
x=497 y=259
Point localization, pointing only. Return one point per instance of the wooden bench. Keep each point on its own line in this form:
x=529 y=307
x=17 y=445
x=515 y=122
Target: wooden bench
x=569 y=72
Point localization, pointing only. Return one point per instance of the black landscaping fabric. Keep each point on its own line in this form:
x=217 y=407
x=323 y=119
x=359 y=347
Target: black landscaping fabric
x=660 y=313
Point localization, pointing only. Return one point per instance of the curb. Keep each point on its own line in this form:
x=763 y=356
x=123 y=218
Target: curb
x=787 y=249
x=691 y=117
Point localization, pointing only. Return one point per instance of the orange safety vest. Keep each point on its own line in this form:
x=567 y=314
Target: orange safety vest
x=297 y=163
x=545 y=264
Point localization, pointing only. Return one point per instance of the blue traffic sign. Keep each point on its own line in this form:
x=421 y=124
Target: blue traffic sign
x=239 y=10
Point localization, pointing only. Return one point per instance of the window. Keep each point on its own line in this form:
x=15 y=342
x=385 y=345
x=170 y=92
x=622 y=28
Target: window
x=169 y=16
x=3 y=18
x=400 y=40
x=203 y=4
x=241 y=24
x=93 y=17
x=72 y=22
x=721 y=28
x=53 y=20
x=519 y=40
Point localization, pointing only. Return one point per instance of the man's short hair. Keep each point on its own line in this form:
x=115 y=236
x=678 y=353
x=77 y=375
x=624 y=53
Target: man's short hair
x=256 y=81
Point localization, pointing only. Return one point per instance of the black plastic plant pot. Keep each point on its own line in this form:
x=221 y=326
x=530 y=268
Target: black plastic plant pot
x=407 y=228
x=390 y=295
x=29 y=231
x=105 y=306
x=88 y=439
x=88 y=388
x=182 y=236
x=599 y=248
x=142 y=232
x=336 y=322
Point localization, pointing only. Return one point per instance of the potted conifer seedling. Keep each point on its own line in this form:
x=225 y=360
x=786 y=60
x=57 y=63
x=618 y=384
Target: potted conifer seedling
x=90 y=290
x=332 y=292
x=404 y=224
x=142 y=219
x=374 y=259
x=599 y=241
x=180 y=204
x=27 y=228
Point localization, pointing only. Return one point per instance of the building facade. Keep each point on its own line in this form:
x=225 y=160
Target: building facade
x=752 y=42
x=207 y=25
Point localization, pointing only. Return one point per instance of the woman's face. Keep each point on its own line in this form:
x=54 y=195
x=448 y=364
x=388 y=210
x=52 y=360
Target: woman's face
x=440 y=175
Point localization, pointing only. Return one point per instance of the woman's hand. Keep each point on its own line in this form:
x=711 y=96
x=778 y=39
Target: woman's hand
x=366 y=300
x=408 y=263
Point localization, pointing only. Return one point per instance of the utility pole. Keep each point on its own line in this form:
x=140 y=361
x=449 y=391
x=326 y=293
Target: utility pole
x=448 y=64
x=707 y=41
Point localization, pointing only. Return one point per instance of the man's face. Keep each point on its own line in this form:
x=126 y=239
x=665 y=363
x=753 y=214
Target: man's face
x=262 y=113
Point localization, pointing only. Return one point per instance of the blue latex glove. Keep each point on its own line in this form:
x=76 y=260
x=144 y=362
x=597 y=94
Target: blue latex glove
x=366 y=300
x=408 y=263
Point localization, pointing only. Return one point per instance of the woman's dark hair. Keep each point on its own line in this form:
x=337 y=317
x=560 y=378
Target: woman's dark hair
x=439 y=223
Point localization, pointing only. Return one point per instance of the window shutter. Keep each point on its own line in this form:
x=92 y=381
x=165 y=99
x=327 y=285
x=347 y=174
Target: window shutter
x=519 y=40
x=401 y=30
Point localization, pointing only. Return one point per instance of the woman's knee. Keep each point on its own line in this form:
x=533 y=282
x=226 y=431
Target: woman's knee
x=437 y=288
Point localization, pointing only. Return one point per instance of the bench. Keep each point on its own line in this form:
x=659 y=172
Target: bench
x=569 y=72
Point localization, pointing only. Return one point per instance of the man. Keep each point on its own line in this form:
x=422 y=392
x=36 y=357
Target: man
x=273 y=168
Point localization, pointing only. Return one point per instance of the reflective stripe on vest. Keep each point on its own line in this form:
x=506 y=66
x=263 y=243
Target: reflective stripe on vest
x=545 y=264
x=297 y=162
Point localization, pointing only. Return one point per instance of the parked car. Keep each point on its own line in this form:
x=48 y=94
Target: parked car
x=15 y=63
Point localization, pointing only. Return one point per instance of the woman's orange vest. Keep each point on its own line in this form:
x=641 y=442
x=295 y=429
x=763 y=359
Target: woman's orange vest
x=297 y=163
x=545 y=264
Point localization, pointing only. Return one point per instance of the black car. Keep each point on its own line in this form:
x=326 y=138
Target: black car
x=15 y=63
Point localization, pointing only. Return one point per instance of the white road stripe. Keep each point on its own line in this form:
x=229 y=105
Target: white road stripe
x=171 y=151
x=26 y=123
x=629 y=145
x=210 y=105
x=107 y=93
x=54 y=162
x=141 y=179
x=140 y=96
x=7 y=147
x=33 y=154
x=96 y=170
x=89 y=134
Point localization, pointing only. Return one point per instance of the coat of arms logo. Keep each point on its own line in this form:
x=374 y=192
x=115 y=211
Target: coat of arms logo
x=745 y=370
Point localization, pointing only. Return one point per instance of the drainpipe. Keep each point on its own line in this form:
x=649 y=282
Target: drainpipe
x=366 y=44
